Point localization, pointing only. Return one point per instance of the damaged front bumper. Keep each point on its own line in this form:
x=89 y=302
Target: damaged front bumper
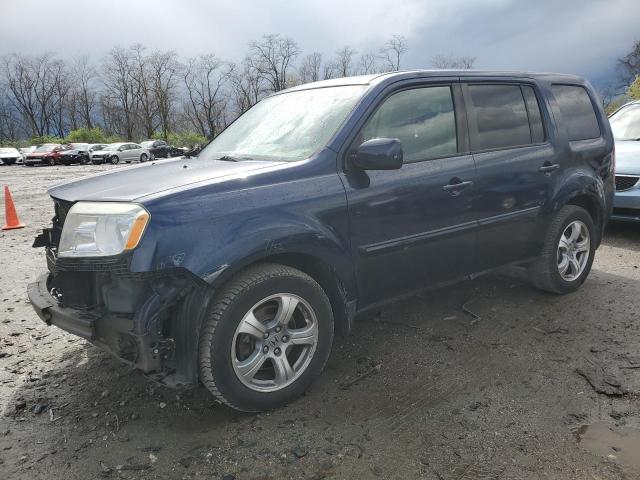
x=47 y=308
x=148 y=320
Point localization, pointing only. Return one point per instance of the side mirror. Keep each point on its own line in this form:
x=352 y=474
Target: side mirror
x=378 y=154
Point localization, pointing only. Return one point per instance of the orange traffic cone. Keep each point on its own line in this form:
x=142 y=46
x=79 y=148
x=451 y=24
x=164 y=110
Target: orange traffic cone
x=10 y=212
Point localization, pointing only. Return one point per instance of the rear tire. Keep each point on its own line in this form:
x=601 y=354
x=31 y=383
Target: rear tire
x=282 y=355
x=565 y=261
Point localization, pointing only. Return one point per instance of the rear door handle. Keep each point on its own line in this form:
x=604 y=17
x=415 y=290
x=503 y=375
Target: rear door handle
x=548 y=168
x=455 y=186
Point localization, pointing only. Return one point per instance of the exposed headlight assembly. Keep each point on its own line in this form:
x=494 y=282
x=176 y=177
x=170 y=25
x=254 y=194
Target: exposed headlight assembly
x=100 y=229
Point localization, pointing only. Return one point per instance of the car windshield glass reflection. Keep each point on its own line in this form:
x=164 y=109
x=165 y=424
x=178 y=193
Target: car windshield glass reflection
x=288 y=127
x=625 y=123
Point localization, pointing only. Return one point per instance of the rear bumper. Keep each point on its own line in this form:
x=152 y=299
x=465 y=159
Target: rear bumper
x=626 y=206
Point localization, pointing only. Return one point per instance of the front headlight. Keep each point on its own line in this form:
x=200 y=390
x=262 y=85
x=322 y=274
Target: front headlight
x=100 y=229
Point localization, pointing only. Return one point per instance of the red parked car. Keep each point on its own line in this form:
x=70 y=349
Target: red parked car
x=46 y=154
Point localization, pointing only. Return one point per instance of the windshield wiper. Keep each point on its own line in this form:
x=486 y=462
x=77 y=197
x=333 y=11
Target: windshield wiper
x=231 y=158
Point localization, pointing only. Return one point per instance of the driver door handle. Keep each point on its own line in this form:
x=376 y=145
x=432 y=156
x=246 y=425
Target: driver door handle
x=455 y=186
x=549 y=167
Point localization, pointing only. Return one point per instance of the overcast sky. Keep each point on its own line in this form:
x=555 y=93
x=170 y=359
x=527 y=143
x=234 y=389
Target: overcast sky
x=574 y=36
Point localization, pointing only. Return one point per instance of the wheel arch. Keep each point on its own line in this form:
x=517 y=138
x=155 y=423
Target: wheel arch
x=588 y=193
x=340 y=290
x=592 y=207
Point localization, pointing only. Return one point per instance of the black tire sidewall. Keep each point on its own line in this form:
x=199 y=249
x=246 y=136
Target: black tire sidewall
x=114 y=160
x=563 y=285
x=239 y=395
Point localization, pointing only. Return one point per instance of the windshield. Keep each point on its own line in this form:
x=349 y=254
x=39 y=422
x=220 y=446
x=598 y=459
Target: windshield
x=45 y=148
x=147 y=144
x=115 y=146
x=625 y=123
x=290 y=126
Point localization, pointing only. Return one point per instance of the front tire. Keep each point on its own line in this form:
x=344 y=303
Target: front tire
x=568 y=252
x=267 y=336
x=114 y=160
x=143 y=158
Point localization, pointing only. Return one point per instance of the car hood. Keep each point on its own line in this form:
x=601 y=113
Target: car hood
x=628 y=157
x=9 y=154
x=103 y=152
x=132 y=183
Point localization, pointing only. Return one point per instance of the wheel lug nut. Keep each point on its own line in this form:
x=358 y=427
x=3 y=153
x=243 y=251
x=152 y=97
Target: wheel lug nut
x=285 y=339
x=277 y=351
x=266 y=335
x=278 y=329
x=265 y=349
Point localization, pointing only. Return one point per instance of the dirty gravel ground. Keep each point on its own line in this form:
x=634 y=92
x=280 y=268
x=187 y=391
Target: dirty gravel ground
x=455 y=396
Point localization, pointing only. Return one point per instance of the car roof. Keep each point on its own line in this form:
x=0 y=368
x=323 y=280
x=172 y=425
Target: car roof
x=632 y=102
x=407 y=74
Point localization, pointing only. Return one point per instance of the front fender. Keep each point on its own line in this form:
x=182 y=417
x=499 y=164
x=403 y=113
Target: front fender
x=214 y=234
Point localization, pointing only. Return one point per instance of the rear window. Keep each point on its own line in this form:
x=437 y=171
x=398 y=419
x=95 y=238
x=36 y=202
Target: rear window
x=577 y=112
x=498 y=117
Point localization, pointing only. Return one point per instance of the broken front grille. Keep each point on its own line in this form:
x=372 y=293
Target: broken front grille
x=625 y=182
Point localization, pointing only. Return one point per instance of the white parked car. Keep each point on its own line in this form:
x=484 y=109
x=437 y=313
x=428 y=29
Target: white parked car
x=9 y=156
x=24 y=151
x=120 y=152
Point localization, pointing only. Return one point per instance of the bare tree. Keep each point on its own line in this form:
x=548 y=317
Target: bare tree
x=119 y=101
x=329 y=70
x=368 y=64
x=629 y=66
x=85 y=98
x=61 y=85
x=141 y=81
x=450 y=61
x=310 y=68
x=165 y=69
x=204 y=79
x=246 y=85
x=343 y=62
x=21 y=84
x=37 y=88
x=392 y=51
x=272 y=58
x=9 y=121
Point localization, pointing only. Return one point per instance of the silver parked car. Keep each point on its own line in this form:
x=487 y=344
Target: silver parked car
x=625 y=123
x=120 y=152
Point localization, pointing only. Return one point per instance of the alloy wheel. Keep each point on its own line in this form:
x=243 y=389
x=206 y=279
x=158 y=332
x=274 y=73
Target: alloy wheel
x=573 y=250
x=274 y=342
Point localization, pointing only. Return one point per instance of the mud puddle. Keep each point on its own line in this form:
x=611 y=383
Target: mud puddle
x=618 y=444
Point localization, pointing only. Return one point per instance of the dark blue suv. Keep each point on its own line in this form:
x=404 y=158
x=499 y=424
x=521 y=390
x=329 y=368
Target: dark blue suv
x=237 y=267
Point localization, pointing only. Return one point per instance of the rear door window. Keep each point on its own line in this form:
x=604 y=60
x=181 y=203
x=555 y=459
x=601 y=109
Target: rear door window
x=577 y=112
x=497 y=117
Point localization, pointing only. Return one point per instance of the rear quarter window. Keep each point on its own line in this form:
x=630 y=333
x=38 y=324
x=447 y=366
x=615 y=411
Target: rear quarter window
x=577 y=112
